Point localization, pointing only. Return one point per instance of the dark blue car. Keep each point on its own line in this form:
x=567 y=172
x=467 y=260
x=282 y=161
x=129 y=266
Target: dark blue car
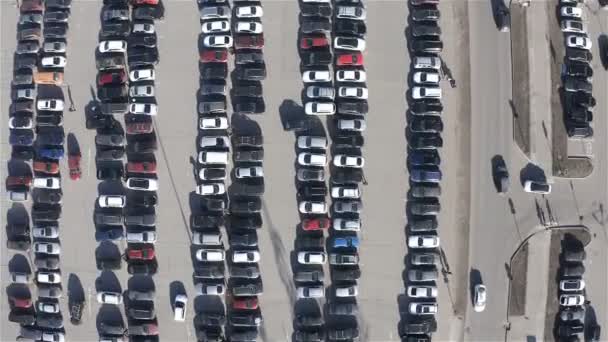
x=21 y=137
x=430 y=174
x=346 y=242
x=109 y=234
x=55 y=152
x=430 y=157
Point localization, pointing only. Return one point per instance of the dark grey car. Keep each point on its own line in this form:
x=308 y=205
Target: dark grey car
x=425 y=190
x=250 y=289
x=422 y=274
x=108 y=219
x=110 y=139
x=140 y=220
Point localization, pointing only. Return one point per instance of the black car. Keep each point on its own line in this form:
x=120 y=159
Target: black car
x=426 y=141
x=147 y=13
x=309 y=336
x=422 y=223
x=23 y=317
x=350 y=27
x=57 y=4
x=343 y=333
x=500 y=174
x=574 y=254
x=52 y=120
x=425 y=14
x=246 y=222
x=353 y=107
x=46 y=212
x=249 y=105
x=424 y=206
x=139 y=56
x=310 y=242
x=420 y=30
x=249 y=58
x=243 y=239
x=348 y=141
x=245 y=272
x=149 y=267
x=213 y=204
x=345 y=274
x=209 y=319
x=109 y=154
x=252 y=89
x=143 y=145
x=110 y=170
x=423 y=157
x=109 y=264
x=579 y=130
x=420 y=190
x=572 y=270
x=112 y=93
x=24 y=62
x=253 y=319
x=579 y=115
x=432 y=124
x=244 y=335
x=580 y=99
x=246 y=206
x=76 y=308
x=426 y=326
x=320 y=25
x=47 y=196
x=56 y=16
x=118 y=29
x=248 y=140
x=213 y=71
x=343 y=309
x=251 y=72
x=49 y=321
x=575 y=84
x=110 y=62
x=426 y=45
x=141 y=309
x=578 y=55
x=347 y=176
x=107 y=328
x=577 y=69
x=310 y=175
x=315 y=10
x=316 y=58
x=145 y=40
x=308 y=320
x=253 y=156
x=55 y=30
x=142 y=198
x=311 y=191
x=566 y=330
x=209 y=272
x=48 y=262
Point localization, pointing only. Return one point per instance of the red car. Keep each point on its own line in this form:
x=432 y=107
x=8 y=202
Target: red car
x=46 y=167
x=246 y=303
x=144 y=2
x=112 y=77
x=18 y=180
x=214 y=56
x=249 y=42
x=350 y=59
x=23 y=303
x=74 y=165
x=31 y=6
x=146 y=253
x=312 y=42
x=315 y=224
x=139 y=127
x=141 y=167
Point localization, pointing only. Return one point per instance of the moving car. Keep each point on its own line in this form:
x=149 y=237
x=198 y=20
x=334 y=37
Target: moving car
x=479 y=297
x=538 y=187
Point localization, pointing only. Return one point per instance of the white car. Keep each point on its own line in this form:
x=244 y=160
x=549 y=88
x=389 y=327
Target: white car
x=107 y=297
x=50 y=104
x=316 y=1
x=343 y=160
x=216 y=26
x=308 y=142
x=141 y=91
x=48 y=307
x=218 y=122
x=315 y=92
x=423 y=77
x=537 y=187
x=246 y=257
x=47 y=248
x=49 y=232
x=142 y=75
x=20 y=123
x=352 y=192
x=353 y=92
x=180 y=307
x=427 y=63
x=357 y=125
x=47 y=182
x=207 y=238
x=48 y=277
x=143 y=184
x=310 y=207
x=145 y=28
x=351 y=76
x=312 y=76
x=249 y=172
x=214 y=141
x=347 y=291
x=210 y=255
x=148 y=236
x=211 y=189
x=54 y=62
x=48 y=336
x=312 y=258
x=213 y=157
x=249 y=27
x=113 y=46
x=423 y=241
x=349 y=43
x=426 y=93
x=249 y=12
x=219 y=41
x=143 y=108
x=210 y=289
x=351 y=12
x=346 y=225
x=310 y=292
x=320 y=108
x=572 y=285
x=571 y=300
x=312 y=159
x=575 y=26
x=571 y=12
x=423 y=308
x=422 y=291
x=27 y=93
x=112 y=201
x=20 y=278
x=578 y=42
x=479 y=298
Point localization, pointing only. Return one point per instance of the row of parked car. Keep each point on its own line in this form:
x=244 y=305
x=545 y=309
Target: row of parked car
x=577 y=72
x=571 y=323
x=126 y=57
x=35 y=62
x=424 y=129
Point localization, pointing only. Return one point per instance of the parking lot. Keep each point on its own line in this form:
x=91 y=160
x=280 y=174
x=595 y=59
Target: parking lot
x=477 y=229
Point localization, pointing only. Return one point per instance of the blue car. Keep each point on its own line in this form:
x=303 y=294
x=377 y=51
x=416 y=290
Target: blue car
x=430 y=157
x=55 y=152
x=21 y=137
x=346 y=242
x=50 y=138
x=426 y=175
x=109 y=234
